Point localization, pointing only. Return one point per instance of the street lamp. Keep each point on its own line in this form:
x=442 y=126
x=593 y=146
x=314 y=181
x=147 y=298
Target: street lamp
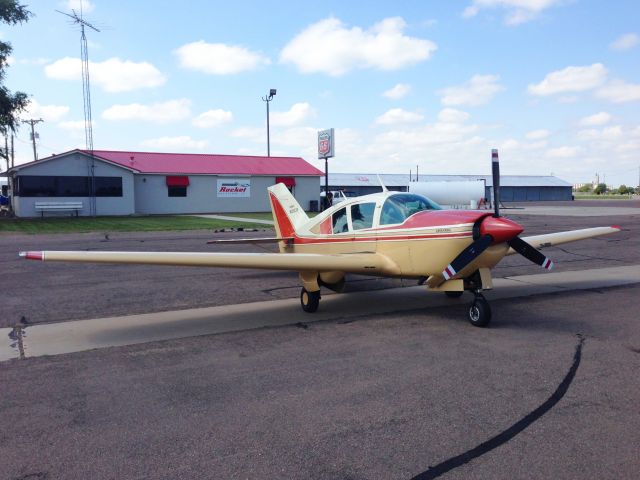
x=267 y=99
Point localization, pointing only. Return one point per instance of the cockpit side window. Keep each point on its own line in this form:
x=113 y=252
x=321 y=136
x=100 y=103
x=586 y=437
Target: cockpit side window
x=339 y=221
x=362 y=215
x=397 y=208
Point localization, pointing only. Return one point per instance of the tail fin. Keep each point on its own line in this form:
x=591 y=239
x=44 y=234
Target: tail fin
x=288 y=215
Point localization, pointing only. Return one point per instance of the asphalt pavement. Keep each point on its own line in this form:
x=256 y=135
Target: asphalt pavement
x=550 y=390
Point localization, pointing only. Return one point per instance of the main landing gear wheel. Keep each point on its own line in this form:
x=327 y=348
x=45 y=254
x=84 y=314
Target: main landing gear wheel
x=309 y=300
x=479 y=314
x=453 y=294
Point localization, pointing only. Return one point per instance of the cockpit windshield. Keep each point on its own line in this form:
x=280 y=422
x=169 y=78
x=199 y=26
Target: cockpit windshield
x=397 y=208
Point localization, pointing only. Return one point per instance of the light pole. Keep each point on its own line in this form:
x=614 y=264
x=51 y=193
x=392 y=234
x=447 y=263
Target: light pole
x=267 y=99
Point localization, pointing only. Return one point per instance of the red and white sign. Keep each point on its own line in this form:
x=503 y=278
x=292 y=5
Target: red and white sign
x=234 y=187
x=325 y=143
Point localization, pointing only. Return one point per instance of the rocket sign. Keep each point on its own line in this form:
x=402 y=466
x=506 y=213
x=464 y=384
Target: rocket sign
x=325 y=143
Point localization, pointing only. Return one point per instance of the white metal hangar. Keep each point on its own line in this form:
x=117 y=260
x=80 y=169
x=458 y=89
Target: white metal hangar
x=513 y=188
x=125 y=183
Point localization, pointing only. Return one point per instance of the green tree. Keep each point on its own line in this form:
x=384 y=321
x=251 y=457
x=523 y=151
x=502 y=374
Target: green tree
x=586 y=188
x=11 y=104
x=600 y=189
x=623 y=189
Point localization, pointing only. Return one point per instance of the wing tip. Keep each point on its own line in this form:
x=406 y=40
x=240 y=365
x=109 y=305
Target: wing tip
x=617 y=227
x=32 y=255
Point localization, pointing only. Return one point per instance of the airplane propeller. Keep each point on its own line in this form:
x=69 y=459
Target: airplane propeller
x=495 y=229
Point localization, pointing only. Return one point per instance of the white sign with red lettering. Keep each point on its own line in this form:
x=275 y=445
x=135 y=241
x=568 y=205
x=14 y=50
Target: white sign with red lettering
x=234 y=187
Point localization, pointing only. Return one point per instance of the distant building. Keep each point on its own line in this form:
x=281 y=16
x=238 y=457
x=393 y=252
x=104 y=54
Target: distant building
x=127 y=183
x=513 y=188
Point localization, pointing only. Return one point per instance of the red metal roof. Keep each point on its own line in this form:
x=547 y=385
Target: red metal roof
x=195 y=163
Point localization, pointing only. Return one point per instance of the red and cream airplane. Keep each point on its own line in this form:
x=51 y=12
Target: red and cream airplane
x=389 y=234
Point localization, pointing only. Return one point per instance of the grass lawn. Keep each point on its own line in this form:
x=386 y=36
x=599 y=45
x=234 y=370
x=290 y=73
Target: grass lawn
x=591 y=196
x=120 y=224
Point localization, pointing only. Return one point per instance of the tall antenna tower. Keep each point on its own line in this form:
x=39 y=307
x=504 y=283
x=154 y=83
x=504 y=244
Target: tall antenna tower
x=86 y=95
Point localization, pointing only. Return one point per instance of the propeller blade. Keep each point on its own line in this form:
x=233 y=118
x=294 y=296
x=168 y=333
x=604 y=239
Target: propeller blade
x=529 y=252
x=467 y=256
x=495 y=172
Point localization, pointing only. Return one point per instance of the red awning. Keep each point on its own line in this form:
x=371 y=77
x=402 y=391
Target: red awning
x=177 y=181
x=288 y=181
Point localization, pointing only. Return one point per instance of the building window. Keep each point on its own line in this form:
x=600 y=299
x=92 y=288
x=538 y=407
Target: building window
x=108 y=186
x=177 y=191
x=67 y=186
x=177 y=185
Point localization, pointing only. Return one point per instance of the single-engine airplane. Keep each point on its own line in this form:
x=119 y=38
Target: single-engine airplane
x=390 y=234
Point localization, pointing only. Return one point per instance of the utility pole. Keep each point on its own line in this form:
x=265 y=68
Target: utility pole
x=5 y=153
x=33 y=122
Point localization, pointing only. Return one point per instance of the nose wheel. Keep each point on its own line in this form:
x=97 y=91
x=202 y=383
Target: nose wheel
x=479 y=313
x=309 y=300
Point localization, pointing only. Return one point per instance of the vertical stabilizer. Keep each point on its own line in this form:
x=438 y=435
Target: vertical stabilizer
x=288 y=215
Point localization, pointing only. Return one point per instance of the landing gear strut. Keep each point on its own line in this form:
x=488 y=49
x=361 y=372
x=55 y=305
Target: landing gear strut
x=309 y=300
x=479 y=314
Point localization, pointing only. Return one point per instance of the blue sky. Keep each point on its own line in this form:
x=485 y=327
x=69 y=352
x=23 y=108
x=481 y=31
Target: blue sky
x=553 y=84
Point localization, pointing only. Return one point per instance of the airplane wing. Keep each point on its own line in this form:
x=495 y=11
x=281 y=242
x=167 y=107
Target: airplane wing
x=557 y=238
x=364 y=263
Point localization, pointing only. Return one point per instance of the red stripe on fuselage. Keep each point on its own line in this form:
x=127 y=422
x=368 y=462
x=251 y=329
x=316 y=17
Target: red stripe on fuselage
x=387 y=238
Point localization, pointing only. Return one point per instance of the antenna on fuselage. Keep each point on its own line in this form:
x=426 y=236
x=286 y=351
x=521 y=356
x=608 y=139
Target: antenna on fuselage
x=384 y=188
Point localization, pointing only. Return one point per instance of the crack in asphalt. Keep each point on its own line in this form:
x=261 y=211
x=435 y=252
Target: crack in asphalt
x=506 y=435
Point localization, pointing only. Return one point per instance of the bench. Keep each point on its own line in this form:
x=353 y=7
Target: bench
x=58 y=207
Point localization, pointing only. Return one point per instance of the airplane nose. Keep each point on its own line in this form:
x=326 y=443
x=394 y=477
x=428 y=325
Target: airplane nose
x=500 y=228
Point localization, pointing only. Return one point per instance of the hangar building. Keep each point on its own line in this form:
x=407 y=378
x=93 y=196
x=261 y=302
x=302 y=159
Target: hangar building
x=127 y=183
x=513 y=188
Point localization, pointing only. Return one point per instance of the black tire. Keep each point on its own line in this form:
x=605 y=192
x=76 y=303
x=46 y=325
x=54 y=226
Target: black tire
x=479 y=314
x=309 y=300
x=453 y=294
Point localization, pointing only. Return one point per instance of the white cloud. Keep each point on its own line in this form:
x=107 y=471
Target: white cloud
x=625 y=42
x=570 y=79
x=49 y=113
x=607 y=134
x=164 y=112
x=618 y=91
x=113 y=75
x=84 y=6
x=296 y=115
x=537 y=134
x=478 y=90
x=330 y=47
x=213 y=118
x=564 y=152
x=451 y=115
x=219 y=58
x=517 y=11
x=596 y=119
x=398 y=116
x=180 y=143
x=398 y=91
